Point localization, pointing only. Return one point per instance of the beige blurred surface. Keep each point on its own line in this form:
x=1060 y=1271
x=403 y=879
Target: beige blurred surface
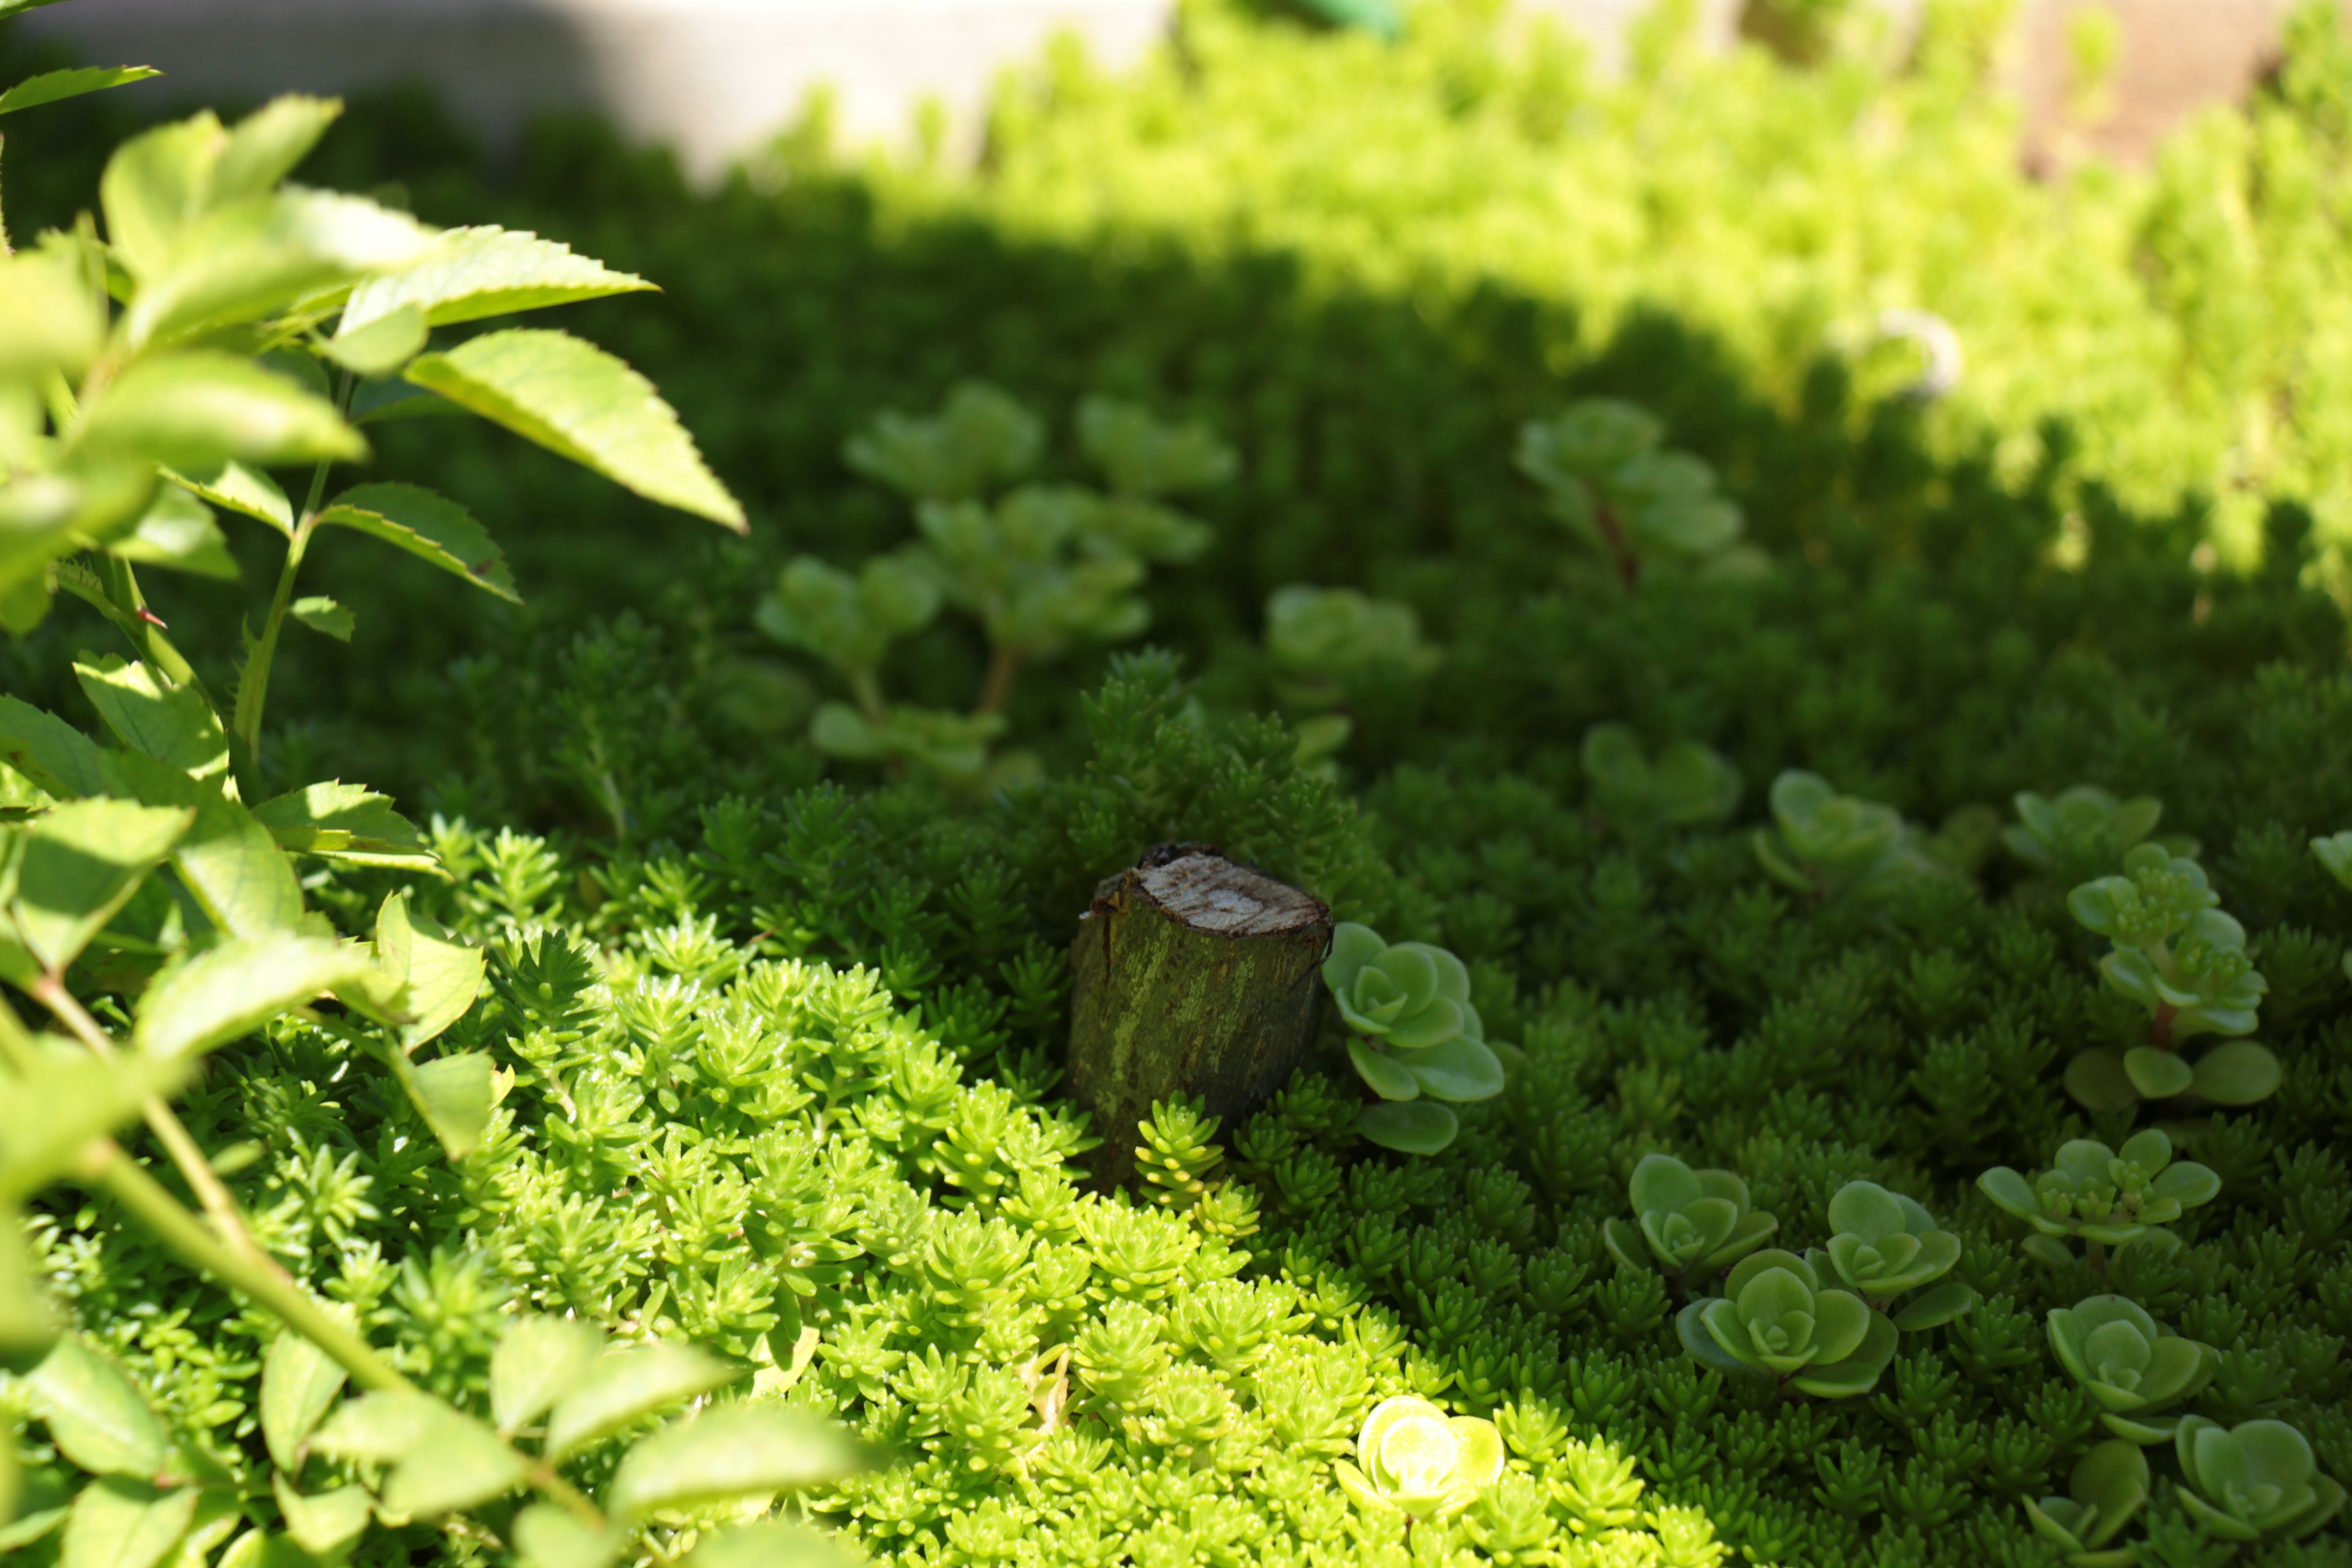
x=714 y=77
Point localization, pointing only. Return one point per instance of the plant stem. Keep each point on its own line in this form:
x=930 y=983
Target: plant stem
x=168 y=1129
x=6 y=250
x=253 y=686
x=1003 y=669
x=2159 y=1027
x=122 y=1179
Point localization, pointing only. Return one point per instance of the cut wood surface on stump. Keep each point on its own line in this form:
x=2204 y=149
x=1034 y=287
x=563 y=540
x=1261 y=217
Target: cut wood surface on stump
x=1193 y=974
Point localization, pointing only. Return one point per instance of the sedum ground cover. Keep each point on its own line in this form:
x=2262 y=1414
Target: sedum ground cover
x=1758 y=852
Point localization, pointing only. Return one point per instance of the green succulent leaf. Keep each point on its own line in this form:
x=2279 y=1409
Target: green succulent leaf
x=1410 y=1127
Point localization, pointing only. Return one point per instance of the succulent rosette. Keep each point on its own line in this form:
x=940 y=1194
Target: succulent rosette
x=1775 y=1316
x=2129 y=1363
x=2253 y=1481
x=1413 y=1458
x=1883 y=1245
x=2106 y=1489
x=2102 y=1194
x=1414 y=1036
x=1694 y=1223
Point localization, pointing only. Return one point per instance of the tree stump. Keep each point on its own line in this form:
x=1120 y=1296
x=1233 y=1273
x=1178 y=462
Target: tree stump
x=1193 y=974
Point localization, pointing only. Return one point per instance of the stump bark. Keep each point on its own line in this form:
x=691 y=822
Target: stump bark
x=1192 y=975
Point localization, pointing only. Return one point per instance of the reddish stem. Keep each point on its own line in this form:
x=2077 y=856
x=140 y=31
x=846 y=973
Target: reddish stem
x=2159 y=1028
x=1629 y=565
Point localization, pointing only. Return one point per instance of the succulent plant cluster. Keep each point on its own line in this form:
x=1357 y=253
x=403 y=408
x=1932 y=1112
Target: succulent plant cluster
x=2185 y=961
x=1639 y=505
x=766 y=1062
x=1040 y=567
x=1412 y=1036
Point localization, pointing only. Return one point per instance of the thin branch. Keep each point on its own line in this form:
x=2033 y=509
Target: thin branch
x=202 y=1179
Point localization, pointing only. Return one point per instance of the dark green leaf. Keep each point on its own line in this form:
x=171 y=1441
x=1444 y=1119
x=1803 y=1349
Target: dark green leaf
x=173 y=724
x=247 y=491
x=80 y=863
x=346 y=822
x=325 y=616
x=58 y=758
x=579 y=401
x=228 y=860
x=426 y=525
x=53 y=86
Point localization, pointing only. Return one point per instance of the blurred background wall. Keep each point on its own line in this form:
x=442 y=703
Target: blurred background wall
x=715 y=77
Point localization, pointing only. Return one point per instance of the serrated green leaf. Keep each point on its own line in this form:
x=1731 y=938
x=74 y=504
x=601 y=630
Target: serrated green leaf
x=433 y=977
x=173 y=724
x=461 y=1463
x=51 y=1111
x=346 y=822
x=247 y=490
x=154 y=185
x=54 y=86
x=48 y=322
x=117 y=1523
x=547 y=1537
x=428 y=526
x=726 y=1455
x=28 y=1321
x=324 y=1524
x=299 y=1382
x=381 y=346
x=81 y=862
x=255 y=255
x=770 y=1543
x=195 y=410
x=265 y=146
x=178 y=531
x=381 y=1428
x=58 y=758
x=457 y=1096
x=485 y=271
x=228 y=860
x=96 y=1414
x=581 y=402
x=626 y=1385
x=235 y=988
x=537 y=1360
x=325 y=616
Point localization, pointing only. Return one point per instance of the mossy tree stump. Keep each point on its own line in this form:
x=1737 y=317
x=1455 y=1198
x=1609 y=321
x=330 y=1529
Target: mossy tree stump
x=1193 y=974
